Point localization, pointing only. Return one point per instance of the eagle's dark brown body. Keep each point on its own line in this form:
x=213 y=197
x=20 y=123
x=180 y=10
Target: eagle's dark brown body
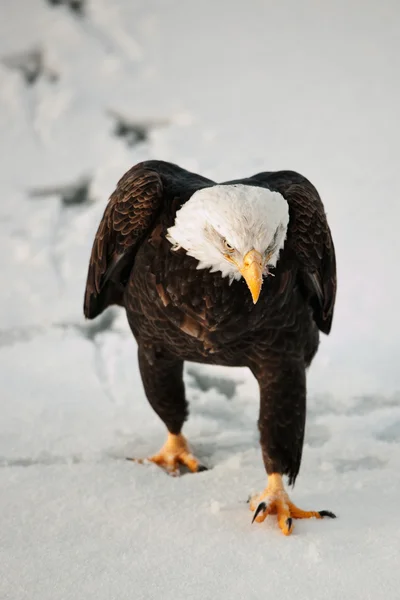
x=177 y=312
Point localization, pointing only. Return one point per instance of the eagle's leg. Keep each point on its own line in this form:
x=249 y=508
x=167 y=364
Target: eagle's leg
x=281 y=423
x=162 y=376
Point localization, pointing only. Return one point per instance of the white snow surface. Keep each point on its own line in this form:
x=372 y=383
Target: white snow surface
x=231 y=88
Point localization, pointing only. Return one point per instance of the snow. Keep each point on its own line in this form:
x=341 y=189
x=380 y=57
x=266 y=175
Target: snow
x=227 y=89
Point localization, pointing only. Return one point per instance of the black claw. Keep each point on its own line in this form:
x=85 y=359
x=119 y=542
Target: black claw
x=248 y=500
x=201 y=468
x=260 y=508
x=327 y=513
x=289 y=522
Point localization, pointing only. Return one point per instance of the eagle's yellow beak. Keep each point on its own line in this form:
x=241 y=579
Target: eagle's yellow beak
x=251 y=271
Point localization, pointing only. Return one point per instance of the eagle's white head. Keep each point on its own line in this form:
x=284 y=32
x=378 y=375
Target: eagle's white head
x=236 y=229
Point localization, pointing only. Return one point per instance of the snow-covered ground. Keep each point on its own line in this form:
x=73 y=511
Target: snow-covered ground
x=227 y=89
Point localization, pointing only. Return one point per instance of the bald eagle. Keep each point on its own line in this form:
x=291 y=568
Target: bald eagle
x=240 y=273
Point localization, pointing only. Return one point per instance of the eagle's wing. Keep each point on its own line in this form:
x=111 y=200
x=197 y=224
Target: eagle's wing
x=132 y=209
x=309 y=240
x=129 y=214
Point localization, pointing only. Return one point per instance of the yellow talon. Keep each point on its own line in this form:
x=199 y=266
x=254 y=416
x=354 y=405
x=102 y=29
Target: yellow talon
x=275 y=500
x=175 y=452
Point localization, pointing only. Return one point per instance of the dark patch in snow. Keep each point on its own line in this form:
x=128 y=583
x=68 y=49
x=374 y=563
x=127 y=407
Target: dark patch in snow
x=205 y=382
x=78 y=194
x=366 y=462
x=91 y=329
x=76 y=6
x=390 y=433
x=71 y=194
x=31 y=64
x=134 y=131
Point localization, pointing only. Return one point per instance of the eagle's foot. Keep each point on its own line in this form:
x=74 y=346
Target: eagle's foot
x=275 y=500
x=174 y=453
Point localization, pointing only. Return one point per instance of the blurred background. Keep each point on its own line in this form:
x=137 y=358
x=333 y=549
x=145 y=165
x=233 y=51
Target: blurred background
x=226 y=88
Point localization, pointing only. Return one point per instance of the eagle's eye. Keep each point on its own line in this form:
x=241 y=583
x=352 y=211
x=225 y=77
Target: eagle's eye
x=228 y=247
